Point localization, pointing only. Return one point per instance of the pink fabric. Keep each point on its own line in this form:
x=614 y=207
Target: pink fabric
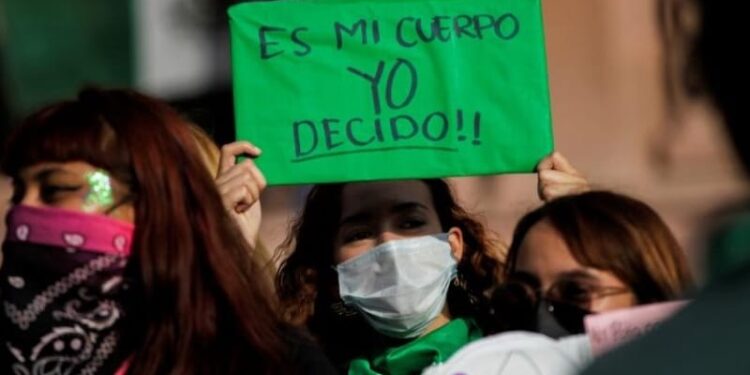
x=69 y=229
x=124 y=368
x=611 y=329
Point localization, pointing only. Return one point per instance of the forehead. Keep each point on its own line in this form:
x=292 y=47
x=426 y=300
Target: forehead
x=544 y=251
x=545 y=254
x=369 y=196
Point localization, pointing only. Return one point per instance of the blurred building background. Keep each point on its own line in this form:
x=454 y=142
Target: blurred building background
x=612 y=118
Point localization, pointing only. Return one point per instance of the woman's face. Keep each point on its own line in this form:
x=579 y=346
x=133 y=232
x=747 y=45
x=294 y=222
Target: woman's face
x=73 y=186
x=376 y=212
x=544 y=255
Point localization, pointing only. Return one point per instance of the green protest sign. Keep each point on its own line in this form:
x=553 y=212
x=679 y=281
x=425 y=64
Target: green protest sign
x=356 y=90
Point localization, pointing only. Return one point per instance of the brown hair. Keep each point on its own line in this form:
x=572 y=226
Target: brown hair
x=308 y=286
x=207 y=148
x=200 y=309
x=618 y=234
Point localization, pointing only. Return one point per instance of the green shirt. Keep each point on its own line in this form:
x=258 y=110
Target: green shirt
x=435 y=347
x=730 y=247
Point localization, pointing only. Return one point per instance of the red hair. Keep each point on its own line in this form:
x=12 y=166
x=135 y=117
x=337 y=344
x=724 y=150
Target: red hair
x=199 y=306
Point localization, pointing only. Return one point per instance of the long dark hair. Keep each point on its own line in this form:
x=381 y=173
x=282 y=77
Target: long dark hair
x=308 y=286
x=199 y=306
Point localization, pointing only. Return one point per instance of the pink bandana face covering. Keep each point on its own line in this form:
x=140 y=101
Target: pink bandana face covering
x=61 y=292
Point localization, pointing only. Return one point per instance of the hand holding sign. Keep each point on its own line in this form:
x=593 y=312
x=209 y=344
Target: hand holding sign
x=354 y=90
x=557 y=178
x=240 y=186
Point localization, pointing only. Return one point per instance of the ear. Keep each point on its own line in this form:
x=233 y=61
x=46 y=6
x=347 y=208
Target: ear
x=456 y=240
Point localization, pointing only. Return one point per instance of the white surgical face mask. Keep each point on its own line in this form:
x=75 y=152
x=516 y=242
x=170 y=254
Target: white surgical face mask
x=400 y=286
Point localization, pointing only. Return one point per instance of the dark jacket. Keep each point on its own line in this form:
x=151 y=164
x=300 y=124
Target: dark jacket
x=711 y=335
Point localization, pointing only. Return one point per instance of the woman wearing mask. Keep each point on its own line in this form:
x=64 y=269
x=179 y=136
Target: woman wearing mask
x=576 y=255
x=392 y=277
x=584 y=254
x=389 y=276
x=121 y=257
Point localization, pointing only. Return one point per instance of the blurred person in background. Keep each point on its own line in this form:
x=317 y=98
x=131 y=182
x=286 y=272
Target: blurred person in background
x=710 y=335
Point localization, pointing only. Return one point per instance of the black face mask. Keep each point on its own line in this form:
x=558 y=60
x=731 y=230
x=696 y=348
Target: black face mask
x=61 y=289
x=520 y=305
x=558 y=320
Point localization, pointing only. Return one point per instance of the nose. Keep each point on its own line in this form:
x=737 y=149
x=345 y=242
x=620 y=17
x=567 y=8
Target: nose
x=387 y=236
x=29 y=198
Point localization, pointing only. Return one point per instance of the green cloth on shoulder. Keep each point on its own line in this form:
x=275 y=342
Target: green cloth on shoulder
x=412 y=358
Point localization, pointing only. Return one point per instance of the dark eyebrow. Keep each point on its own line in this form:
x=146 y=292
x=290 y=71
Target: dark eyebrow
x=360 y=217
x=355 y=218
x=409 y=206
x=578 y=274
x=47 y=172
